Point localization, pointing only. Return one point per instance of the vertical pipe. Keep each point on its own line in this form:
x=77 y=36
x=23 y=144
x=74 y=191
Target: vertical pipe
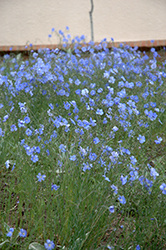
x=91 y=21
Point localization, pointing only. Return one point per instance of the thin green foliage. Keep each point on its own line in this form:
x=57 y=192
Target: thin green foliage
x=82 y=144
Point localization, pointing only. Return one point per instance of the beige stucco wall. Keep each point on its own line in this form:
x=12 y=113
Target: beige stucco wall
x=30 y=21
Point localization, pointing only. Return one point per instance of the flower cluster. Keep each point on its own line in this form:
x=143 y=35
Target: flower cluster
x=88 y=115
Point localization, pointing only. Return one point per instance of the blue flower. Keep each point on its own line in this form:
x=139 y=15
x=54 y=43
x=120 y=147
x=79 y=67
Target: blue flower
x=13 y=128
x=141 y=138
x=84 y=92
x=48 y=152
x=60 y=163
x=27 y=120
x=93 y=92
x=122 y=199
x=134 y=175
x=29 y=150
x=77 y=82
x=67 y=105
x=2 y=133
x=55 y=187
x=110 y=247
x=142 y=180
x=22 y=107
x=61 y=32
x=106 y=74
x=100 y=90
x=163 y=188
x=138 y=84
x=13 y=166
x=37 y=149
x=22 y=142
x=21 y=123
x=159 y=140
x=72 y=157
x=28 y=132
x=10 y=233
x=86 y=166
x=96 y=140
x=62 y=148
x=34 y=158
x=111 y=209
x=23 y=233
x=92 y=156
x=153 y=104
x=123 y=179
x=1 y=105
x=105 y=121
x=153 y=173
x=51 y=106
x=133 y=160
x=99 y=112
x=49 y=245
x=7 y=163
x=115 y=129
x=114 y=188
x=106 y=178
x=148 y=184
x=41 y=177
x=5 y=118
x=138 y=247
x=111 y=80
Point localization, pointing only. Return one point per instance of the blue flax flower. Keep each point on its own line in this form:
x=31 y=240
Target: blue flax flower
x=2 y=133
x=133 y=160
x=92 y=156
x=153 y=173
x=13 y=128
x=10 y=233
x=72 y=157
x=134 y=175
x=67 y=105
x=122 y=199
x=114 y=188
x=148 y=184
x=159 y=140
x=23 y=233
x=49 y=245
x=86 y=166
x=28 y=132
x=163 y=188
x=7 y=163
x=141 y=138
x=21 y=123
x=115 y=129
x=54 y=186
x=96 y=140
x=34 y=158
x=41 y=177
x=110 y=247
x=62 y=148
x=123 y=179
x=99 y=112
x=111 y=209
x=27 y=120
x=106 y=178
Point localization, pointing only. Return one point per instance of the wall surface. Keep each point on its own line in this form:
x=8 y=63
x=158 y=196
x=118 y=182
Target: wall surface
x=30 y=21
